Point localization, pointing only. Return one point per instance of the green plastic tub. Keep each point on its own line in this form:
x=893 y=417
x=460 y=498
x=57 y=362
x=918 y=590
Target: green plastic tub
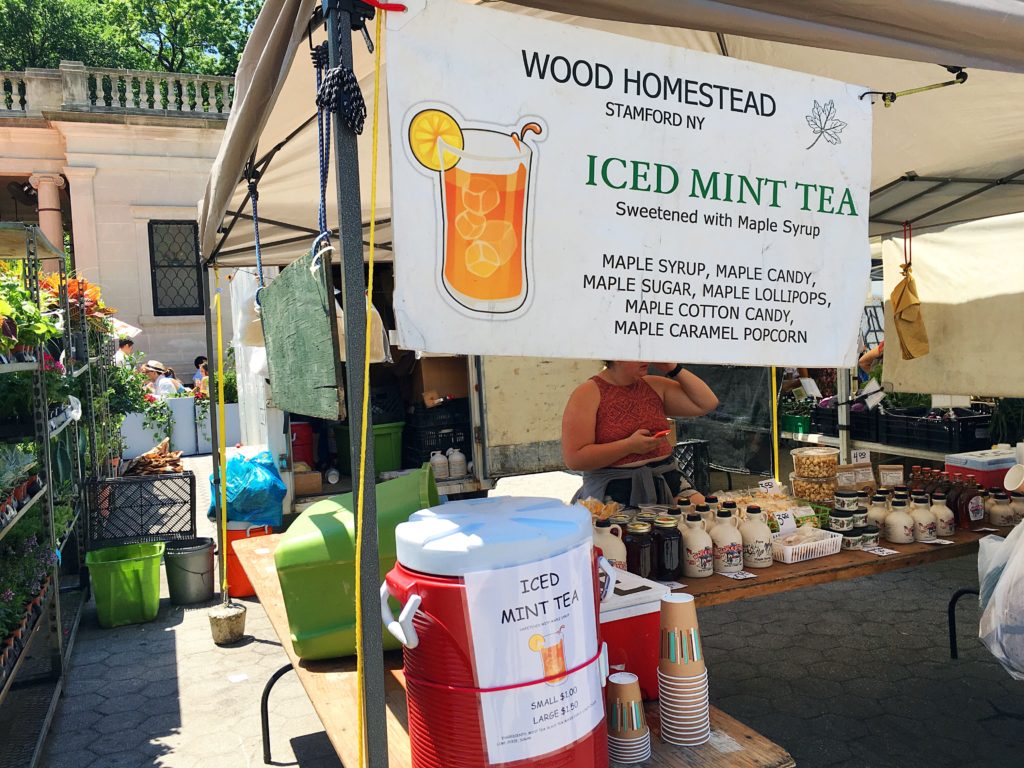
x=387 y=447
x=126 y=582
x=316 y=563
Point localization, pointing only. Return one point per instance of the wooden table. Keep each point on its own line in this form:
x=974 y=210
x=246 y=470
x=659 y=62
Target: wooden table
x=332 y=689
x=779 y=577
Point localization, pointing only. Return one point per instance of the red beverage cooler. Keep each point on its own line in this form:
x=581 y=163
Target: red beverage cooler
x=499 y=622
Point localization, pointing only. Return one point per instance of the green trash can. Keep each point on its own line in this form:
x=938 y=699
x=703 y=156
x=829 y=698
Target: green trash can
x=126 y=582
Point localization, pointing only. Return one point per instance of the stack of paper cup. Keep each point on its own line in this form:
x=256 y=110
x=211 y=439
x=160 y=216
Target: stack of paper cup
x=629 y=738
x=682 y=676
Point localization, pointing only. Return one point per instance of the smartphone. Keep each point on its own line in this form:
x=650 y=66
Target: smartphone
x=662 y=433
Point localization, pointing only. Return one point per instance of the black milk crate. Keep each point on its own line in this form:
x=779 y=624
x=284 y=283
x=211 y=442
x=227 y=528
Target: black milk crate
x=863 y=424
x=448 y=414
x=386 y=404
x=694 y=460
x=910 y=428
x=128 y=510
x=419 y=442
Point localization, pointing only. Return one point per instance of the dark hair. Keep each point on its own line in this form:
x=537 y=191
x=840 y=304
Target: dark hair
x=204 y=368
x=169 y=372
x=199 y=361
x=124 y=341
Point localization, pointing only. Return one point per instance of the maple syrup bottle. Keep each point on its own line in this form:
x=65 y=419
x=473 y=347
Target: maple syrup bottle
x=970 y=504
x=953 y=494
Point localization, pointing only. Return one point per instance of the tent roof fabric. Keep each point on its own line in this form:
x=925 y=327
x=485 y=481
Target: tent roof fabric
x=969 y=134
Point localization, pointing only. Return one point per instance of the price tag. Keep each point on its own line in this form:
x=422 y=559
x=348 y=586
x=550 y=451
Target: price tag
x=860 y=457
x=770 y=486
x=740 y=575
x=786 y=521
x=937 y=541
x=672 y=584
x=881 y=551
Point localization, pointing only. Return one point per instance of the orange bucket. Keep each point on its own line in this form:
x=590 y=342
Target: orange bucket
x=238 y=583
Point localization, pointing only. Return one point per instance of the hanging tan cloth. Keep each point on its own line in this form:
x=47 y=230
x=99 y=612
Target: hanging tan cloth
x=906 y=308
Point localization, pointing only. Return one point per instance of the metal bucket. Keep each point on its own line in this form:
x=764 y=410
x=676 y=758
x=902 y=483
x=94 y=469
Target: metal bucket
x=190 y=570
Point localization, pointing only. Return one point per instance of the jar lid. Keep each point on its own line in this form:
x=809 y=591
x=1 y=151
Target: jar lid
x=703 y=508
x=814 y=451
x=846 y=494
x=620 y=519
x=692 y=518
x=899 y=502
x=728 y=505
x=606 y=523
x=900 y=488
x=685 y=503
x=1016 y=494
x=639 y=527
x=869 y=529
x=460 y=537
x=665 y=522
x=848 y=534
x=672 y=512
x=841 y=513
x=938 y=497
x=724 y=514
x=860 y=511
x=753 y=509
x=863 y=494
x=647 y=517
x=711 y=499
x=879 y=497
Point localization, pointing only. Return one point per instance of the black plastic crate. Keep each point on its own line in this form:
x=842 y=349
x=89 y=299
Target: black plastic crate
x=863 y=424
x=419 y=442
x=825 y=421
x=911 y=428
x=899 y=426
x=694 y=460
x=386 y=404
x=448 y=414
x=128 y=510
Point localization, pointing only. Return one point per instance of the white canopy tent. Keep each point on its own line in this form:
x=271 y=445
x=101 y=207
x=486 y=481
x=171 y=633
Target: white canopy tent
x=949 y=155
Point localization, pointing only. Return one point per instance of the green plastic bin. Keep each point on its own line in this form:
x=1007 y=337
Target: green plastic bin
x=316 y=563
x=387 y=447
x=126 y=582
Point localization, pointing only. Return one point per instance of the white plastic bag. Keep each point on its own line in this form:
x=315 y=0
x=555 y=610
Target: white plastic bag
x=380 y=347
x=1001 y=587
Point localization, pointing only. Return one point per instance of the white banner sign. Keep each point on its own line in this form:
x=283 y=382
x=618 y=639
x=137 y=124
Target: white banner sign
x=563 y=192
x=531 y=622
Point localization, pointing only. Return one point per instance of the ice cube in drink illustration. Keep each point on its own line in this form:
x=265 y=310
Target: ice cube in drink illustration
x=484 y=200
x=552 y=653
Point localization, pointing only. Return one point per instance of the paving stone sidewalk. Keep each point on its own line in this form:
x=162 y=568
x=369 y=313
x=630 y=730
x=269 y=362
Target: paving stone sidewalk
x=855 y=673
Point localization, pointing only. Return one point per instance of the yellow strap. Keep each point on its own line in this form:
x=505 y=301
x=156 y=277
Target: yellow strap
x=775 y=423
x=221 y=446
x=360 y=672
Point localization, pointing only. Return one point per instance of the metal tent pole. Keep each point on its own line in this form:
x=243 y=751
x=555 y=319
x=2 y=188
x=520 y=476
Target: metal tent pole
x=214 y=432
x=843 y=396
x=350 y=227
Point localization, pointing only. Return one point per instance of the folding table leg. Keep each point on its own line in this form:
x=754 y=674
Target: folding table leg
x=953 y=654
x=265 y=709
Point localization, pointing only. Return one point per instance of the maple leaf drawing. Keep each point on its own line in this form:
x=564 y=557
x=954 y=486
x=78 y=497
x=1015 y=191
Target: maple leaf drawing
x=824 y=123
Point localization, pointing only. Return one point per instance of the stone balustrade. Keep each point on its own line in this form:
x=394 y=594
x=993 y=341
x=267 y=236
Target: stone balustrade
x=75 y=87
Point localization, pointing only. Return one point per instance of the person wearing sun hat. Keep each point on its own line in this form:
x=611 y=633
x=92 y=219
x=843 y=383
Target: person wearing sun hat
x=159 y=385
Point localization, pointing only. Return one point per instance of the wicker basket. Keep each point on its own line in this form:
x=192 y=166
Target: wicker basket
x=799 y=552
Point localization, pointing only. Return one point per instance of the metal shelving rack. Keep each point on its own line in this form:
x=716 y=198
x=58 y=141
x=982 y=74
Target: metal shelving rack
x=29 y=695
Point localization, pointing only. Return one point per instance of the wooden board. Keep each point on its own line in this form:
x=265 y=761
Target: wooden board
x=332 y=689
x=298 y=314
x=716 y=590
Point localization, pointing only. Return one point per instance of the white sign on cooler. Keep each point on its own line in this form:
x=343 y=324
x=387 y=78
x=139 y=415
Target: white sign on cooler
x=566 y=192
x=531 y=622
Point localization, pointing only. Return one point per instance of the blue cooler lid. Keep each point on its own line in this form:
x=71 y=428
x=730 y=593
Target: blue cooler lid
x=483 y=534
x=983 y=460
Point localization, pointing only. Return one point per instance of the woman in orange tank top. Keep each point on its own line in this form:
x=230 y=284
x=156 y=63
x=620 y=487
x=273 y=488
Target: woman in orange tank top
x=614 y=430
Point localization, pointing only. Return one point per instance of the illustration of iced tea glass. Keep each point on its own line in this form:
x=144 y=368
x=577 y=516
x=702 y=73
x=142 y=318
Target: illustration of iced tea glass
x=484 y=199
x=552 y=653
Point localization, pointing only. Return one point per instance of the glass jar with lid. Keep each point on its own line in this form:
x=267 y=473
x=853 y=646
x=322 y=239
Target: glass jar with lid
x=639 y=549
x=668 y=545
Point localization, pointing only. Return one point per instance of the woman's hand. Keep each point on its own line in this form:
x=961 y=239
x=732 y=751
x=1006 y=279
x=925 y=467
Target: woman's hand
x=642 y=442
x=695 y=498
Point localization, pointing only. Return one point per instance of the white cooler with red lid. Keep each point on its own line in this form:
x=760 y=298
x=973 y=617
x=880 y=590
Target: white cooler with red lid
x=631 y=628
x=499 y=623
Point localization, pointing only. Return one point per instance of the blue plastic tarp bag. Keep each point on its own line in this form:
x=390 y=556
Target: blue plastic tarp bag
x=254 y=490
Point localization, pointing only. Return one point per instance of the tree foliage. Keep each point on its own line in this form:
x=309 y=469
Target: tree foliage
x=39 y=33
x=202 y=36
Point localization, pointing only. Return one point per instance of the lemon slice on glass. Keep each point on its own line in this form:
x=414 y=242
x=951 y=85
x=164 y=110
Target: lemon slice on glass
x=536 y=642
x=426 y=129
